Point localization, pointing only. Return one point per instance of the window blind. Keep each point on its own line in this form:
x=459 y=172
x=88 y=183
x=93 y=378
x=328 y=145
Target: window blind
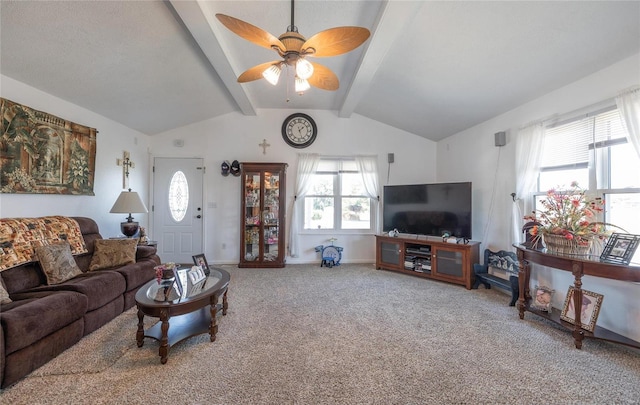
x=568 y=144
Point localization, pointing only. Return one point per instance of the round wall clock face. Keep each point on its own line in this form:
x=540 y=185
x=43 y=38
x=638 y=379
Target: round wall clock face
x=299 y=130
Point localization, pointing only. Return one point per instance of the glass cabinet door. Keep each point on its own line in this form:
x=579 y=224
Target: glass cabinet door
x=270 y=216
x=253 y=210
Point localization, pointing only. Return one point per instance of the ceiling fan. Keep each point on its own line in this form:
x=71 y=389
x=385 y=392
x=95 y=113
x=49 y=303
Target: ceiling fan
x=293 y=48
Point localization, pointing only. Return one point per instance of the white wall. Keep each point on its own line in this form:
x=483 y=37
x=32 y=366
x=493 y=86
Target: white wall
x=471 y=156
x=112 y=140
x=236 y=137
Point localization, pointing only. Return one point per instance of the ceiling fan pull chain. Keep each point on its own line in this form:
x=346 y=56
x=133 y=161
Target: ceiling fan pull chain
x=287 y=67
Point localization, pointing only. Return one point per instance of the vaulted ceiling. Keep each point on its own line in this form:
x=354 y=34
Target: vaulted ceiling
x=432 y=68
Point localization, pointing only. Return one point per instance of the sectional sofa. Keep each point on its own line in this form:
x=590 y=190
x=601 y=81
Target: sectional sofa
x=44 y=310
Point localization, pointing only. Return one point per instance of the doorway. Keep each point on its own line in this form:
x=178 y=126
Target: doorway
x=177 y=208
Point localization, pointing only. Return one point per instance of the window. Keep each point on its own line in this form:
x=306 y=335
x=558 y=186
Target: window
x=337 y=199
x=178 y=196
x=594 y=151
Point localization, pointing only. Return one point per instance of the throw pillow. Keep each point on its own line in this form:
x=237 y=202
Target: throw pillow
x=4 y=295
x=57 y=262
x=113 y=252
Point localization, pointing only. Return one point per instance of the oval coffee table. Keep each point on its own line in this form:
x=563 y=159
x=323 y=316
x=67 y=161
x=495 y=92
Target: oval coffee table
x=181 y=317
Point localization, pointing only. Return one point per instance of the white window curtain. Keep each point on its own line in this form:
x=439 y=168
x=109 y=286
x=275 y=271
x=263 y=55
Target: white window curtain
x=307 y=166
x=368 y=168
x=529 y=145
x=628 y=104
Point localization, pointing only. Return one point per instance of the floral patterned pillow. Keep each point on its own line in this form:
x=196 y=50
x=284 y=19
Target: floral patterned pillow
x=57 y=262
x=109 y=253
x=4 y=295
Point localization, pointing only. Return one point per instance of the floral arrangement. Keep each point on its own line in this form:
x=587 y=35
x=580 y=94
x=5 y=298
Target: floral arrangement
x=570 y=214
x=164 y=271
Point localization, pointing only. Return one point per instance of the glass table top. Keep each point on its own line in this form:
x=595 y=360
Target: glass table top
x=170 y=291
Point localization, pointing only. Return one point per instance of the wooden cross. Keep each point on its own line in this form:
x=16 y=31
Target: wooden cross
x=264 y=146
x=126 y=164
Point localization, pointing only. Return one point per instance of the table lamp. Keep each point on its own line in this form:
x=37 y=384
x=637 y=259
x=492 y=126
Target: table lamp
x=127 y=203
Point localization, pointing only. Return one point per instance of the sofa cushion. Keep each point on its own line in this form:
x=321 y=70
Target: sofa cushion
x=37 y=315
x=57 y=262
x=109 y=253
x=4 y=295
x=136 y=274
x=100 y=287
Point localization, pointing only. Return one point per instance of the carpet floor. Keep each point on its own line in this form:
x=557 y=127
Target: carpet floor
x=346 y=335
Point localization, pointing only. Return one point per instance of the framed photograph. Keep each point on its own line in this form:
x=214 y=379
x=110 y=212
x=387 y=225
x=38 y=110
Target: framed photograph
x=541 y=298
x=201 y=261
x=195 y=280
x=180 y=279
x=591 y=303
x=620 y=248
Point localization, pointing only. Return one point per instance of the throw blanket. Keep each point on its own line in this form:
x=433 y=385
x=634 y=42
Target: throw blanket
x=20 y=236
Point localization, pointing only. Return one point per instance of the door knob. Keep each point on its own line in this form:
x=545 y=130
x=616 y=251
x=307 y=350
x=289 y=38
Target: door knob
x=198 y=216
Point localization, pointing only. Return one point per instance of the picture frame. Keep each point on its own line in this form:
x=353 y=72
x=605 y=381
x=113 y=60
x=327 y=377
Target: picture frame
x=180 y=281
x=620 y=248
x=542 y=297
x=201 y=261
x=591 y=303
x=195 y=280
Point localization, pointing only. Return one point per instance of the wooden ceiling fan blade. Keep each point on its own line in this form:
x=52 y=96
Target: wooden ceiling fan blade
x=255 y=72
x=323 y=78
x=250 y=32
x=335 y=41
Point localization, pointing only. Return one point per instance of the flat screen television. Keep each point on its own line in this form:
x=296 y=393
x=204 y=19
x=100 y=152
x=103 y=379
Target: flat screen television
x=428 y=209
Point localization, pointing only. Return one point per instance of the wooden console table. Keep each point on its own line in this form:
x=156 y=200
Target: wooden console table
x=578 y=266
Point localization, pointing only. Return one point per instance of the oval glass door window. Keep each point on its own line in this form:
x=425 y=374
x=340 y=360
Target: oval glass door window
x=178 y=196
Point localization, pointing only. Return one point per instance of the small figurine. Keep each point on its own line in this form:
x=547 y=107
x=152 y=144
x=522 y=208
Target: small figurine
x=144 y=239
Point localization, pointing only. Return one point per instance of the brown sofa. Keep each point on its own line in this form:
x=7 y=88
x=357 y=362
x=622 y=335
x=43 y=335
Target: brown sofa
x=44 y=320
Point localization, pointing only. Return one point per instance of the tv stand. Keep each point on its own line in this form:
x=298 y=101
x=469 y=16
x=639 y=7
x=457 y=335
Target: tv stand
x=428 y=257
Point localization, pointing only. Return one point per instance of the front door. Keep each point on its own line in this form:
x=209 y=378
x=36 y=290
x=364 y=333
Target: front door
x=177 y=208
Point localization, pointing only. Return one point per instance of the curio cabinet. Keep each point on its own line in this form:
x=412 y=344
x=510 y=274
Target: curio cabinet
x=262 y=238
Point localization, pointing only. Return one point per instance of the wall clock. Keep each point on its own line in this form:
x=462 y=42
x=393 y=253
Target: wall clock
x=299 y=130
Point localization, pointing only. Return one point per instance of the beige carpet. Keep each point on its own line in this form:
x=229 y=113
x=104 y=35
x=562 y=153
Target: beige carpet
x=347 y=335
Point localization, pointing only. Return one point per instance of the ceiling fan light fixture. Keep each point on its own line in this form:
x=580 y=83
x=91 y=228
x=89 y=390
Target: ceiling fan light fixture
x=304 y=69
x=302 y=85
x=272 y=73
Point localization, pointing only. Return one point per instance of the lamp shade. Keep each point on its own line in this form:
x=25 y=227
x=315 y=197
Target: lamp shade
x=127 y=203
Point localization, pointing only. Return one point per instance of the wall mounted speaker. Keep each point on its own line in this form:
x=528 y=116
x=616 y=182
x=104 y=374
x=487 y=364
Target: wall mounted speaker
x=501 y=138
x=390 y=158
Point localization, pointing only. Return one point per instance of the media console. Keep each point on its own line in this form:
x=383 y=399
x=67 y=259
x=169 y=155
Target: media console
x=428 y=257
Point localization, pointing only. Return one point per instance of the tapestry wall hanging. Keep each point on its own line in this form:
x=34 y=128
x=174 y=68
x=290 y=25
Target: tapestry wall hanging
x=44 y=154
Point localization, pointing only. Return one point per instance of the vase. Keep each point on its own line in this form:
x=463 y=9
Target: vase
x=560 y=245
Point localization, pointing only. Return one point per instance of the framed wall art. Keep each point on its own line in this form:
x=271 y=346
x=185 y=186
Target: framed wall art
x=541 y=298
x=591 y=303
x=44 y=154
x=620 y=248
x=201 y=261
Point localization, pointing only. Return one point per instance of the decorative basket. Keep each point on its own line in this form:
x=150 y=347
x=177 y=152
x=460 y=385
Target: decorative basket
x=560 y=245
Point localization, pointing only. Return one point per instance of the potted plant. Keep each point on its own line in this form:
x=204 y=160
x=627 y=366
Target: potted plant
x=567 y=223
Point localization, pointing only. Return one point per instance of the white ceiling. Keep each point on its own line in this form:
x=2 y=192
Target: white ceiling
x=432 y=68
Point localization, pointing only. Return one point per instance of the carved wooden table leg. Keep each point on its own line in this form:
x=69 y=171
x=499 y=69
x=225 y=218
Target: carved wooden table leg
x=522 y=280
x=213 y=326
x=164 y=339
x=578 y=334
x=225 y=304
x=140 y=332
